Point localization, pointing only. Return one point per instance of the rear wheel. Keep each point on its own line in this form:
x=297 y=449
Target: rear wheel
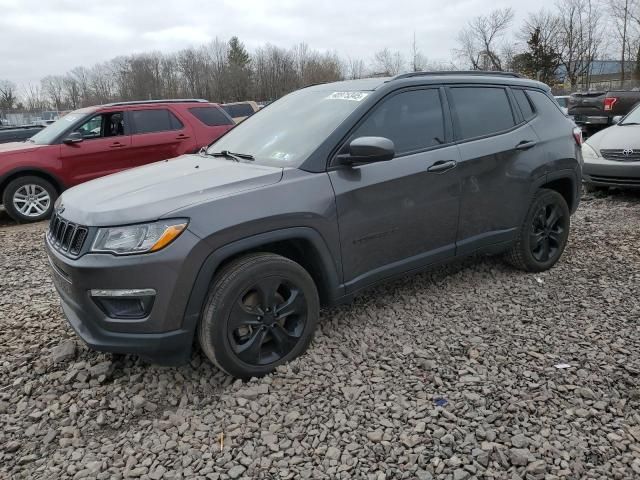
x=543 y=235
x=29 y=199
x=261 y=312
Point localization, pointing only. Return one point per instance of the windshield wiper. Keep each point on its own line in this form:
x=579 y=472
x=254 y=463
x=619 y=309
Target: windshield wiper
x=235 y=156
x=629 y=123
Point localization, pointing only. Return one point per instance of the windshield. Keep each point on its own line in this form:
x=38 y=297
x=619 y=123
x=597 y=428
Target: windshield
x=287 y=132
x=632 y=118
x=50 y=133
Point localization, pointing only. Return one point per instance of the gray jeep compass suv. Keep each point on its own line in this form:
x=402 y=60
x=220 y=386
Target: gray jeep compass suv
x=327 y=191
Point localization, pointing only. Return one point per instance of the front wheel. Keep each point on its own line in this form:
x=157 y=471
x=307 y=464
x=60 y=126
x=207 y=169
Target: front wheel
x=261 y=312
x=29 y=199
x=543 y=235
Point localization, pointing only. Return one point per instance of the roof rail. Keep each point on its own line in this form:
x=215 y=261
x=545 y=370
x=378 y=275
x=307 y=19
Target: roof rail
x=147 y=102
x=459 y=72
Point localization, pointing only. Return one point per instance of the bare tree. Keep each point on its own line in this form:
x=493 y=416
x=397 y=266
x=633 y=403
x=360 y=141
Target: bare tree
x=580 y=36
x=355 y=68
x=479 y=40
x=53 y=88
x=418 y=61
x=8 y=95
x=621 y=12
x=34 y=99
x=387 y=62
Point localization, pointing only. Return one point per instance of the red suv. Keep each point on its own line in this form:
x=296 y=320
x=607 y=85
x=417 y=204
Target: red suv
x=96 y=141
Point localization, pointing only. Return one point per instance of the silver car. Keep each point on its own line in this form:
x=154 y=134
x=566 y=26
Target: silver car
x=612 y=156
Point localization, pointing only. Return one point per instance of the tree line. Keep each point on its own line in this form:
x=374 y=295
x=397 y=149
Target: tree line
x=550 y=45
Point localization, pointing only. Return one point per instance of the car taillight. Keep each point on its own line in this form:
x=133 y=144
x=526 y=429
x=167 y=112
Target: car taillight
x=609 y=102
x=577 y=135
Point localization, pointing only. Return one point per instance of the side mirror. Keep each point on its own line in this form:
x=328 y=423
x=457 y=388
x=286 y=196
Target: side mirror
x=368 y=150
x=615 y=120
x=73 y=137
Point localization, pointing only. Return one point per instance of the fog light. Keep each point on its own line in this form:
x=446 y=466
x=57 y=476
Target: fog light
x=128 y=304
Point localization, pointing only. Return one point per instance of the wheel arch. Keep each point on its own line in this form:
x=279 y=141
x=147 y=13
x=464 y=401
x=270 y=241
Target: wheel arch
x=30 y=172
x=303 y=245
x=565 y=183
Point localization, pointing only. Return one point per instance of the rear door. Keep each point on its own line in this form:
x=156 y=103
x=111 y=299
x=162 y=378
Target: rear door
x=402 y=214
x=105 y=148
x=158 y=134
x=499 y=156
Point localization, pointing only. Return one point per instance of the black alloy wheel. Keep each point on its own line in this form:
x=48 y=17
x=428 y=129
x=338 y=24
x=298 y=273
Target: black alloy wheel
x=543 y=234
x=261 y=312
x=267 y=321
x=547 y=235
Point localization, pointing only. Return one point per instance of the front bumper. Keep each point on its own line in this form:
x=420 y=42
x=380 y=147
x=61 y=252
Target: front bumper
x=164 y=336
x=611 y=173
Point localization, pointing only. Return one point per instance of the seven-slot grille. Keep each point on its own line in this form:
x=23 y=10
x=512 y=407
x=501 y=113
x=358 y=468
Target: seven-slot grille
x=621 y=155
x=66 y=236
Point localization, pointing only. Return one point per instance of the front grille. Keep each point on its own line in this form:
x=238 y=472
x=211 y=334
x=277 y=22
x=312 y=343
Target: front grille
x=66 y=236
x=620 y=156
x=615 y=180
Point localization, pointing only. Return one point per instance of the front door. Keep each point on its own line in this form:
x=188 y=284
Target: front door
x=402 y=214
x=105 y=148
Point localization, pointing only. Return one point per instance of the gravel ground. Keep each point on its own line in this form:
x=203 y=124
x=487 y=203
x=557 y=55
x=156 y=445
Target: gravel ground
x=452 y=374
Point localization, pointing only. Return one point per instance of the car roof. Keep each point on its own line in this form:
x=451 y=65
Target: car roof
x=376 y=83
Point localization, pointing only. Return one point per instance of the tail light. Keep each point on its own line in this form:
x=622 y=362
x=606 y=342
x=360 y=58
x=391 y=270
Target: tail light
x=577 y=136
x=609 y=102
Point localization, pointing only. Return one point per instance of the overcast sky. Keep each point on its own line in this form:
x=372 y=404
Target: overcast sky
x=41 y=37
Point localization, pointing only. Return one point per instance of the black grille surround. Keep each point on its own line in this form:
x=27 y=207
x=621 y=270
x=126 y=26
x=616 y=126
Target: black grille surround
x=619 y=155
x=65 y=236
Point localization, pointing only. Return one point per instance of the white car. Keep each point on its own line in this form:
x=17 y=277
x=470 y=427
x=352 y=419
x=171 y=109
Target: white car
x=612 y=156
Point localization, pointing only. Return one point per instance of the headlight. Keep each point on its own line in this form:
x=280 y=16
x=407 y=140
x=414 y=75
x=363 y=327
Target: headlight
x=588 y=152
x=147 y=237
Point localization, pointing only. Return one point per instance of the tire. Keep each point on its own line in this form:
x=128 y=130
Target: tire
x=544 y=229
x=240 y=313
x=591 y=188
x=29 y=199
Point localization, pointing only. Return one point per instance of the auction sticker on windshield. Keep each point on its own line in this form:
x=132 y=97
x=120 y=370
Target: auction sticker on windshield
x=354 y=96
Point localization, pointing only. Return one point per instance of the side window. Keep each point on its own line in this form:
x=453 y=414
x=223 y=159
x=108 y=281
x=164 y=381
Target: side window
x=413 y=120
x=154 y=120
x=524 y=103
x=481 y=111
x=211 y=116
x=104 y=125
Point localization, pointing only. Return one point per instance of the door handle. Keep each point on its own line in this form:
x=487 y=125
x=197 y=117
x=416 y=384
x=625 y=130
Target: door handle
x=182 y=137
x=526 y=145
x=116 y=145
x=442 y=166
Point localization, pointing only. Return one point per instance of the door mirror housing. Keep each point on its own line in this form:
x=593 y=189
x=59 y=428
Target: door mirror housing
x=615 y=120
x=73 y=137
x=364 y=150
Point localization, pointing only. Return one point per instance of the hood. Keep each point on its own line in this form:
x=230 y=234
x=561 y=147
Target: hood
x=155 y=190
x=616 y=137
x=18 y=147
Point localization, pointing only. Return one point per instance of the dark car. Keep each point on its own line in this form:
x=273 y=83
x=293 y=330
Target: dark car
x=96 y=141
x=593 y=111
x=18 y=134
x=332 y=189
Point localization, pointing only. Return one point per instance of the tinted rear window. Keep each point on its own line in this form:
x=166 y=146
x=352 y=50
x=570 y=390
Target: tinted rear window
x=211 y=116
x=523 y=102
x=156 y=120
x=240 y=110
x=544 y=105
x=482 y=111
